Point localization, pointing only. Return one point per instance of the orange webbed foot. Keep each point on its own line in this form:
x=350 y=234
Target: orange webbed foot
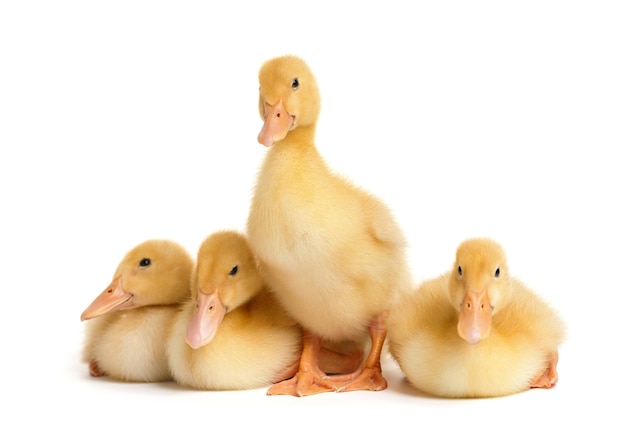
x=368 y=378
x=309 y=379
x=94 y=370
x=370 y=375
x=304 y=383
x=549 y=377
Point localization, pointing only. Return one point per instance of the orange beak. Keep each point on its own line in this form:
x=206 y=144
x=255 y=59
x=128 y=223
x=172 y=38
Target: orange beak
x=276 y=124
x=475 y=316
x=205 y=320
x=113 y=298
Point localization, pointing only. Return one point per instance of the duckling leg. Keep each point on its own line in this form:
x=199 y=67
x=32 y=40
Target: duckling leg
x=549 y=376
x=94 y=370
x=370 y=375
x=309 y=379
x=330 y=362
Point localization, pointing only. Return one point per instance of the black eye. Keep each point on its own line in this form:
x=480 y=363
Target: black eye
x=459 y=271
x=295 y=83
x=497 y=273
x=145 y=262
x=233 y=271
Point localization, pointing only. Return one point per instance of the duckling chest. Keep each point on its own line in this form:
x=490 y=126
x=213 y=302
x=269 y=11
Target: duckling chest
x=299 y=232
x=300 y=208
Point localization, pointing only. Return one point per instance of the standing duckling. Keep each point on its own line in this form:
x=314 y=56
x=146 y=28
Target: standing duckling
x=331 y=253
x=127 y=324
x=476 y=331
x=233 y=334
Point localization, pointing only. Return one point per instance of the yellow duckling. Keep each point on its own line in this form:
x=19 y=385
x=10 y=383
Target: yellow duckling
x=232 y=334
x=476 y=331
x=331 y=253
x=126 y=338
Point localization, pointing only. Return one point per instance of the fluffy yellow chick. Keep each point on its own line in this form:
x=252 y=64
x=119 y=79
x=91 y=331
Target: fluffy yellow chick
x=476 y=331
x=127 y=323
x=332 y=253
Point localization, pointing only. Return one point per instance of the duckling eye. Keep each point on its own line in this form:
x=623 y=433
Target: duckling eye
x=145 y=262
x=497 y=273
x=459 y=271
x=295 y=83
x=233 y=271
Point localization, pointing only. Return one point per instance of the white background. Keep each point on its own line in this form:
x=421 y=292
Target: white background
x=126 y=120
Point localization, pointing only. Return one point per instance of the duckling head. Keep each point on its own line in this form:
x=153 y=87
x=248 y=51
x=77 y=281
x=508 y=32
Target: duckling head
x=478 y=286
x=155 y=272
x=226 y=276
x=288 y=98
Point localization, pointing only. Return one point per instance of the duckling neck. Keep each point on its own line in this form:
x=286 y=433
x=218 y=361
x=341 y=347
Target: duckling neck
x=301 y=137
x=296 y=154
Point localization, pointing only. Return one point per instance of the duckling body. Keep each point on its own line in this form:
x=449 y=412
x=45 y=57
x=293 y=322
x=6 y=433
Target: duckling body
x=331 y=252
x=127 y=324
x=450 y=342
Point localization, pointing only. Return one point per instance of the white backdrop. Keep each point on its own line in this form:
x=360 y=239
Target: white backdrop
x=127 y=120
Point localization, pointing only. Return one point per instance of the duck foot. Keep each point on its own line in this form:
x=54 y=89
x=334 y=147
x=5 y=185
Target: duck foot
x=549 y=377
x=330 y=362
x=370 y=375
x=370 y=378
x=304 y=383
x=94 y=370
x=309 y=379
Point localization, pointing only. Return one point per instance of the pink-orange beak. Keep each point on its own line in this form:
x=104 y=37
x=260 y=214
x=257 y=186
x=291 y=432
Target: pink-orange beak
x=475 y=316
x=205 y=320
x=113 y=298
x=276 y=124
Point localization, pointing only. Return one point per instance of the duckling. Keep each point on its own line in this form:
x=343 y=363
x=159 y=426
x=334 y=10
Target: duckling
x=127 y=323
x=476 y=331
x=332 y=253
x=233 y=334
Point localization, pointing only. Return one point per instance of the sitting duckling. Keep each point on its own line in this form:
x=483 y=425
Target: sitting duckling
x=233 y=334
x=127 y=322
x=476 y=331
